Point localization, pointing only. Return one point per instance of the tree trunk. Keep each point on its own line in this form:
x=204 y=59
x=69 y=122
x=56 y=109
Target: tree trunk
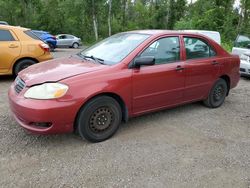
x=109 y=17
x=124 y=14
x=95 y=25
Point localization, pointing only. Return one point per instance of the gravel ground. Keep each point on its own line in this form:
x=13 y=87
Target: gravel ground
x=188 y=146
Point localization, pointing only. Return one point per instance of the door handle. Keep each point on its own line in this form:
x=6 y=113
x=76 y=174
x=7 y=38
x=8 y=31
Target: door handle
x=179 y=68
x=13 y=46
x=215 y=63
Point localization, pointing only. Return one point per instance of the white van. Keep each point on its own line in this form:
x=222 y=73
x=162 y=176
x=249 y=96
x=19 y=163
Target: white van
x=214 y=35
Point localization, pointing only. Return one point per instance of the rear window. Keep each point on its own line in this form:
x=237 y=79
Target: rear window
x=5 y=35
x=39 y=34
x=31 y=34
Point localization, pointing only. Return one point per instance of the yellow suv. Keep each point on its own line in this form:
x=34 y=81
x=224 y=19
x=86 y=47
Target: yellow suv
x=20 y=48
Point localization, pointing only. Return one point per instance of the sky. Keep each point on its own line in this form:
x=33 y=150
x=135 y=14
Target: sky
x=236 y=3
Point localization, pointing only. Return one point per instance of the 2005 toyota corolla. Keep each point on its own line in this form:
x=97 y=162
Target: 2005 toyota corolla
x=123 y=76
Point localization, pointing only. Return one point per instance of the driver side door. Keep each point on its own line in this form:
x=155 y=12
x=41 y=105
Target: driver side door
x=160 y=85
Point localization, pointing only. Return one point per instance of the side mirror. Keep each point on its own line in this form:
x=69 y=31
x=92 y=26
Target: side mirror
x=147 y=61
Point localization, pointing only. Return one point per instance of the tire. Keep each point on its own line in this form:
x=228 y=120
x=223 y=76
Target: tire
x=75 y=45
x=51 y=47
x=217 y=94
x=99 y=119
x=23 y=64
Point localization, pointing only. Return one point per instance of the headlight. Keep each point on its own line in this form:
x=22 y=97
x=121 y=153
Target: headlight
x=245 y=57
x=46 y=91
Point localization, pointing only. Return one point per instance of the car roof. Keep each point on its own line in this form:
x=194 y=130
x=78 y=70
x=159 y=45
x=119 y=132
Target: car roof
x=40 y=31
x=13 y=27
x=166 y=32
x=4 y=22
x=66 y=34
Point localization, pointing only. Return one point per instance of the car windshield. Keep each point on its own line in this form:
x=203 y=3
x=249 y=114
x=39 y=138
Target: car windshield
x=242 y=41
x=115 y=48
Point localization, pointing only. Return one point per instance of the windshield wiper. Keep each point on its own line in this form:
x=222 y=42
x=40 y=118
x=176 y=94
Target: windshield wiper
x=98 y=60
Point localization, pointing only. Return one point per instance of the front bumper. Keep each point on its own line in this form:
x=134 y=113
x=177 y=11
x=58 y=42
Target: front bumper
x=244 y=68
x=59 y=115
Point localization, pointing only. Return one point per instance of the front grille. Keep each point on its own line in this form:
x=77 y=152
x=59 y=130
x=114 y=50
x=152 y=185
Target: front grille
x=19 y=84
x=242 y=70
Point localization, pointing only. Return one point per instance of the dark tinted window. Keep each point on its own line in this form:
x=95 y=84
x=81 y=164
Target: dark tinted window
x=242 y=41
x=5 y=35
x=62 y=37
x=32 y=35
x=197 y=48
x=165 y=50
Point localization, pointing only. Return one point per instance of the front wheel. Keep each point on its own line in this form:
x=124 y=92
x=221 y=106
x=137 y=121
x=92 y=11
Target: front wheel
x=217 y=94
x=99 y=119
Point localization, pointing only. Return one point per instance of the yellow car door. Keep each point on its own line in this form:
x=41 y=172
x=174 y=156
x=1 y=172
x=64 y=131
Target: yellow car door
x=10 y=49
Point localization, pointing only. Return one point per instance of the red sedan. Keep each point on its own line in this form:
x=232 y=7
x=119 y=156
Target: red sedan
x=125 y=75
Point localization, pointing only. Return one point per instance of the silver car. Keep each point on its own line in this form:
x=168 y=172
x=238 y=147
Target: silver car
x=66 y=40
x=3 y=23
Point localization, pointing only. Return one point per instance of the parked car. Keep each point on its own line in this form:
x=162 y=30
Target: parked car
x=47 y=37
x=242 y=48
x=20 y=48
x=241 y=45
x=66 y=40
x=3 y=23
x=123 y=76
x=245 y=64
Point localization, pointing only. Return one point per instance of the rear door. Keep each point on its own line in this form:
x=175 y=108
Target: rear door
x=62 y=40
x=201 y=68
x=69 y=40
x=10 y=49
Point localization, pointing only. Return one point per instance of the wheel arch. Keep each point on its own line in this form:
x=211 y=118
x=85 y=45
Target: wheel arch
x=228 y=81
x=115 y=96
x=75 y=42
x=20 y=59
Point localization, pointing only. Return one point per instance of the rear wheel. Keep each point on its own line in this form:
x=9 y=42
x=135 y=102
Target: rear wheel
x=217 y=94
x=75 y=45
x=23 y=64
x=99 y=119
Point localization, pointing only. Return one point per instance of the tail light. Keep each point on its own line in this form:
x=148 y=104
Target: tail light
x=45 y=47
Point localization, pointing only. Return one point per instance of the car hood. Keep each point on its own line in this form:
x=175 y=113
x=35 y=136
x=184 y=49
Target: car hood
x=57 y=69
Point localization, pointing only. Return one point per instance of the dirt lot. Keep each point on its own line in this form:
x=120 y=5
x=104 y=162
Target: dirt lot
x=189 y=146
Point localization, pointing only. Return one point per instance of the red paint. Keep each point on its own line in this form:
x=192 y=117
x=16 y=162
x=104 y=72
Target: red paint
x=143 y=90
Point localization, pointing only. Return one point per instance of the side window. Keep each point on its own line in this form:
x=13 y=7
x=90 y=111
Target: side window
x=5 y=35
x=197 y=48
x=165 y=50
x=69 y=37
x=62 y=37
